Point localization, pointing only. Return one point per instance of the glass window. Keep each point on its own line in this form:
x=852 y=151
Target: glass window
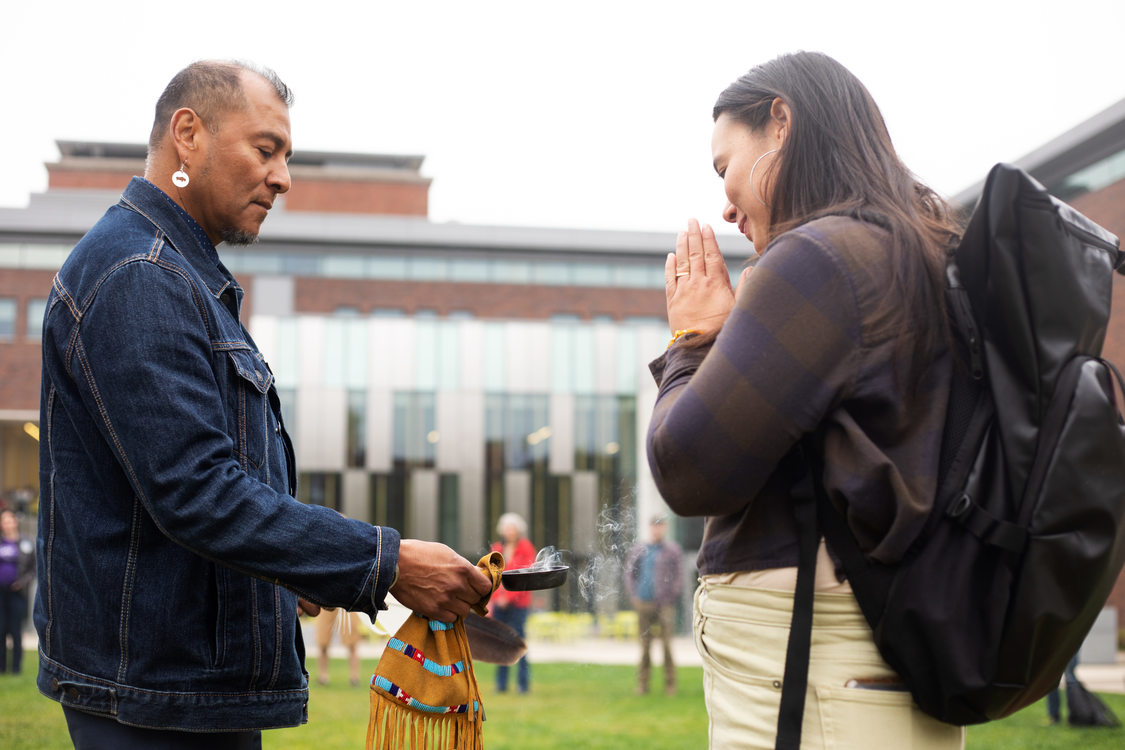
x=301 y=265
x=7 y=317
x=426 y=353
x=285 y=363
x=346 y=266
x=388 y=498
x=583 y=360
x=316 y=488
x=591 y=274
x=35 y=310
x=49 y=257
x=415 y=429
x=10 y=255
x=260 y=263
x=1094 y=177
x=428 y=269
x=355 y=355
x=448 y=356
x=468 y=269
x=493 y=458
x=334 y=353
x=636 y=276
x=449 y=510
x=357 y=429
x=511 y=271
x=386 y=267
x=517 y=438
x=551 y=272
x=562 y=353
x=495 y=362
x=288 y=398
x=628 y=356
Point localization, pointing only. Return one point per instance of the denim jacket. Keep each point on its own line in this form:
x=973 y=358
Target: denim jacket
x=171 y=547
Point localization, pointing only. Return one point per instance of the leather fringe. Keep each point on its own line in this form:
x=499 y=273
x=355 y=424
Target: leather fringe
x=392 y=726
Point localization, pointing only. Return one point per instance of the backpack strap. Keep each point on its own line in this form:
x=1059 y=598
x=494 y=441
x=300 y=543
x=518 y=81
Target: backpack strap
x=795 y=682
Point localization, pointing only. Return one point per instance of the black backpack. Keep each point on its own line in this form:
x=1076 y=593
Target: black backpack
x=1027 y=534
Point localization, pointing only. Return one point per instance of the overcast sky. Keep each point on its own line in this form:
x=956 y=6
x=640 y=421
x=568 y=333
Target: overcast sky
x=576 y=114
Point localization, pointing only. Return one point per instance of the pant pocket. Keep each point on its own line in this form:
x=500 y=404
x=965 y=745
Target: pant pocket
x=859 y=719
x=742 y=685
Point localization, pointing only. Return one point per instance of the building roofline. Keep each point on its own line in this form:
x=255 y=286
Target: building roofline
x=336 y=160
x=1086 y=143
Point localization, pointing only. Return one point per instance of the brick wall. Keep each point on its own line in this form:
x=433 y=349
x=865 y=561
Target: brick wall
x=20 y=358
x=1107 y=207
x=61 y=178
x=387 y=197
x=359 y=197
x=524 y=301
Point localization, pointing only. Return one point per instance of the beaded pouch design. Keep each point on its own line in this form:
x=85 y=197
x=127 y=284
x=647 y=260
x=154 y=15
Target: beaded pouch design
x=424 y=694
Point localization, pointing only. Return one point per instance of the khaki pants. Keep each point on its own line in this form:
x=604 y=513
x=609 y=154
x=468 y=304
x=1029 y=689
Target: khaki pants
x=662 y=616
x=742 y=634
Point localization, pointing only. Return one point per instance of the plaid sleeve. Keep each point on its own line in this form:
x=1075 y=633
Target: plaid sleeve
x=725 y=417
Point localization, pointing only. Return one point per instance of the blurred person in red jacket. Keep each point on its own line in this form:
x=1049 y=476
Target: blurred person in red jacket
x=511 y=607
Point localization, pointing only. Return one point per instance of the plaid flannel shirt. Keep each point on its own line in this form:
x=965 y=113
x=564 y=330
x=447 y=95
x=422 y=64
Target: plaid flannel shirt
x=810 y=345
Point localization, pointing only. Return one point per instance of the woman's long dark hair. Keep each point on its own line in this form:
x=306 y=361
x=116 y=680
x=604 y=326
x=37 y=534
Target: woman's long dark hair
x=837 y=158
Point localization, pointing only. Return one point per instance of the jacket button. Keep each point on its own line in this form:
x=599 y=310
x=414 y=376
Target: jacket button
x=73 y=693
x=54 y=684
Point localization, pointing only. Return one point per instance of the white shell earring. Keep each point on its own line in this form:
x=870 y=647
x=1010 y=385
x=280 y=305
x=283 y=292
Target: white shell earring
x=180 y=178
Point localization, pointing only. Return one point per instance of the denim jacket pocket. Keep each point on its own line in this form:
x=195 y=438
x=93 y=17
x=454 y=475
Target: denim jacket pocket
x=251 y=410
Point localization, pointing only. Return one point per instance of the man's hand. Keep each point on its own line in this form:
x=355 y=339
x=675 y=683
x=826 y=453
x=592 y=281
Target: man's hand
x=436 y=582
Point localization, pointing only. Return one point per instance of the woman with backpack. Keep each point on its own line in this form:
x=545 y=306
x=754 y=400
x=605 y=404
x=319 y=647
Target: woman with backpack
x=837 y=333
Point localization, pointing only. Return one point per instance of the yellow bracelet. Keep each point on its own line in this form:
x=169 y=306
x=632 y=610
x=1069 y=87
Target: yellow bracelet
x=680 y=334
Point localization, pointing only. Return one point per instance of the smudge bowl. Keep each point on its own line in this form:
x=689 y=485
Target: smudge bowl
x=534 y=579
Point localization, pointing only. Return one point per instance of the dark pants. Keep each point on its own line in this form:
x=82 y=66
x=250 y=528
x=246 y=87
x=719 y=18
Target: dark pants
x=90 y=732
x=516 y=618
x=1053 y=696
x=13 y=610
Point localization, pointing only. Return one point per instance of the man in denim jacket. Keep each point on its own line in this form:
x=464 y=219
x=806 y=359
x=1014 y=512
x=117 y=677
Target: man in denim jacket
x=172 y=550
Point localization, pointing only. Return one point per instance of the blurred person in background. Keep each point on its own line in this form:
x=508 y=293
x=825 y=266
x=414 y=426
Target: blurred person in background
x=17 y=572
x=653 y=580
x=512 y=607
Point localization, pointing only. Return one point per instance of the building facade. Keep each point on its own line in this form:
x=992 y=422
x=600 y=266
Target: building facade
x=434 y=376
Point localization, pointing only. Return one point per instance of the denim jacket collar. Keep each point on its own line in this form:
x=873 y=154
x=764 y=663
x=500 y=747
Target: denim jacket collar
x=187 y=237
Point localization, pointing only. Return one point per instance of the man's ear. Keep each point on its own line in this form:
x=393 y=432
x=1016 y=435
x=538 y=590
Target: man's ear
x=186 y=129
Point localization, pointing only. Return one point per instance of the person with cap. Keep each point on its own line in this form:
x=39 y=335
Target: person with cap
x=653 y=579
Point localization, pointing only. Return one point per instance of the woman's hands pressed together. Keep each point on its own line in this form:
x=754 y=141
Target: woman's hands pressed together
x=696 y=282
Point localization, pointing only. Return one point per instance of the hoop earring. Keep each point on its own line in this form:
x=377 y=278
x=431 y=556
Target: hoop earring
x=180 y=178
x=752 y=190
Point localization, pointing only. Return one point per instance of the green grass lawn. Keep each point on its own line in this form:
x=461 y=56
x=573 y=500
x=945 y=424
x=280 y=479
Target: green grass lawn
x=587 y=706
